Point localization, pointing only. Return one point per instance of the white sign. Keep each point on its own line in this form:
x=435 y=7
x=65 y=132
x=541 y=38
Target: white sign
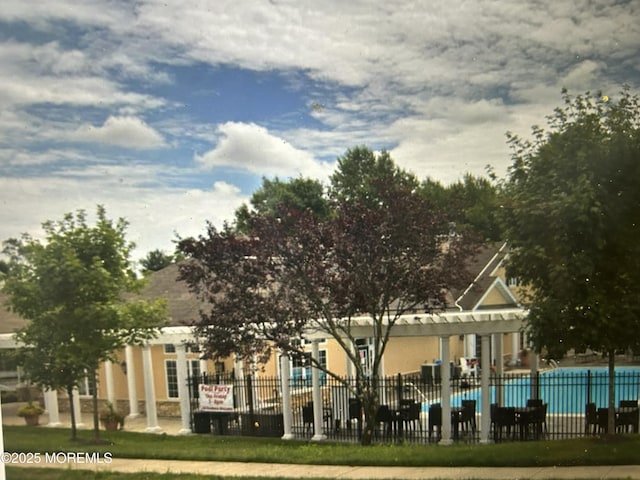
x=216 y=398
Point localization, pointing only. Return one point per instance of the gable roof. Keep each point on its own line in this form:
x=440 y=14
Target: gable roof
x=182 y=305
x=485 y=265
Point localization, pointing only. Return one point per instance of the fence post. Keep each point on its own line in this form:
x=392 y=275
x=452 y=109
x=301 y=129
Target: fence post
x=400 y=423
x=252 y=418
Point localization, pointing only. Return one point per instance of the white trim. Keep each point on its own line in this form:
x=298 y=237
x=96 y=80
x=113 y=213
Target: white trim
x=502 y=287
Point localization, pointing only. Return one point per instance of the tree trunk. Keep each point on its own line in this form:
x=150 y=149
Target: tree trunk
x=74 y=430
x=370 y=411
x=96 y=418
x=611 y=417
x=370 y=406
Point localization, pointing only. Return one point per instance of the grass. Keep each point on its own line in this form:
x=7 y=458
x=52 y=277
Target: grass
x=584 y=451
x=16 y=473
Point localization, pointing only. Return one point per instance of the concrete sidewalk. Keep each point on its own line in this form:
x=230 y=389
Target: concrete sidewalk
x=267 y=470
x=171 y=426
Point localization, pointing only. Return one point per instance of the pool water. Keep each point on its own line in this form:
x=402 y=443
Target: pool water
x=565 y=390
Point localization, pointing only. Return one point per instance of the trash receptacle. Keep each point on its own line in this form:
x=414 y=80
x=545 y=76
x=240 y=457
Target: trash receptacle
x=201 y=422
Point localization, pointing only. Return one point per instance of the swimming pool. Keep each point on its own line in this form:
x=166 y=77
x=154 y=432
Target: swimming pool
x=565 y=390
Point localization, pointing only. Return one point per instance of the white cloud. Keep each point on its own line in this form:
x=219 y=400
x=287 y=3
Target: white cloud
x=251 y=148
x=126 y=131
x=155 y=215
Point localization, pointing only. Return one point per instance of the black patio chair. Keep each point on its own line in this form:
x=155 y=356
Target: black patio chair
x=384 y=419
x=411 y=416
x=355 y=413
x=307 y=417
x=539 y=421
x=590 y=419
x=504 y=420
x=468 y=416
x=627 y=420
x=435 y=420
x=603 y=420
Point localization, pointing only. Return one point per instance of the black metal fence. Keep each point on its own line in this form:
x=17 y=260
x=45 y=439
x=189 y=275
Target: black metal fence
x=553 y=404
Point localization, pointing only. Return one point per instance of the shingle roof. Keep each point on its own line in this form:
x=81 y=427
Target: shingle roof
x=183 y=307
x=483 y=266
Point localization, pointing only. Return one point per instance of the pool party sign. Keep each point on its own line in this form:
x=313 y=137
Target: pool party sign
x=216 y=398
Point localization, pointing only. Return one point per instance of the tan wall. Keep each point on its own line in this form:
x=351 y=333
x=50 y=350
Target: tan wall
x=493 y=299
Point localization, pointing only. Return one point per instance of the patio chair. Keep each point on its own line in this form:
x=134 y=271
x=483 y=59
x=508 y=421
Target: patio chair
x=627 y=420
x=590 y=419
x=539 y=421
x=355 y=413
x=603 y=420
x=384 y=418
x=468 y=416
x=534 y=402
x=504 y=419
x=411 y=416
x=435 y=420
x=307 y=417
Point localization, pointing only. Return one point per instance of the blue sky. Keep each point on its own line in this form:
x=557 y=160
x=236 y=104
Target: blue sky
x=169 y=113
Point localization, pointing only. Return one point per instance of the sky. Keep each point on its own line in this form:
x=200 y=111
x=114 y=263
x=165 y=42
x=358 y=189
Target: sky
x=170 y=112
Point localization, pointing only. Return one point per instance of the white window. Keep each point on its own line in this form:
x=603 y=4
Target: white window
x=171 y=369
x=86 y=387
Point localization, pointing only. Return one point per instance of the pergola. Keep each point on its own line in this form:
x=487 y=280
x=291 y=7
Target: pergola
x=485 y=323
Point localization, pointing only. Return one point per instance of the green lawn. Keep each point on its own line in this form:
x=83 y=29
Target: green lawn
x=16 y=473
x=587 y=451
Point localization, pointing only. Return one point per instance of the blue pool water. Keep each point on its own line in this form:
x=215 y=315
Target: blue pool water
x=565 y=390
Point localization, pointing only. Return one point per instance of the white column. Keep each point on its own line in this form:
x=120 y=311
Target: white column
x=445 y=374
x=149 y=390
x=470 y=345
x=3 y=473
x=131 y=382
x=51 y=405
x=183 y=391
x=108 y=375
x=515 y=347
x=485 y=367
x=287 y=411
x=534 y=360
x=76 y=407
x=238 y=370
x=498 y=343
x=316 y=394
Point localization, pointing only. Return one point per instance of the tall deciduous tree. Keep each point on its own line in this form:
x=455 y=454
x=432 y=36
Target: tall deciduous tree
x=383 y=253
x=275 y=197
x=70 y=288
x=572 y=215
x=156 y=260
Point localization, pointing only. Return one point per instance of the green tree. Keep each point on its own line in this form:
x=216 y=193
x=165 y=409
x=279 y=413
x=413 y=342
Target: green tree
x=359 y=171
x=275 y=197
x=156 y=260
x=572 y=215
x=474 y=203
x=384 y=252
x=71 y=288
